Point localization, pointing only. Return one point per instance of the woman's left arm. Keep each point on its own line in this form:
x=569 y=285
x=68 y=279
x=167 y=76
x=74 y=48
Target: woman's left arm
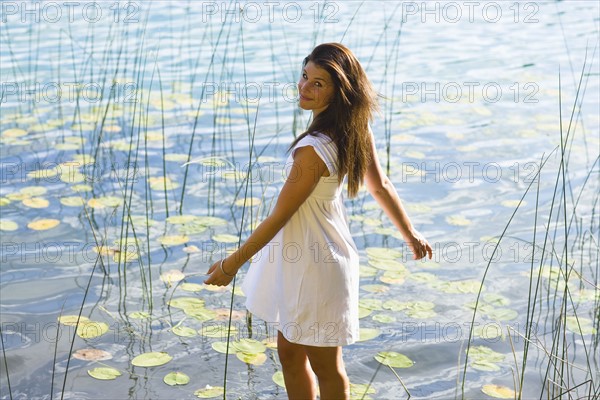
x=306 y=171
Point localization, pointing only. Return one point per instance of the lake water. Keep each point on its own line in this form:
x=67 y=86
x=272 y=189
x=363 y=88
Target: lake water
x=103 y=104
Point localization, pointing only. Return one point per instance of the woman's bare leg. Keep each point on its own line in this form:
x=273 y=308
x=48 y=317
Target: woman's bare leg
x=297 y=374
x=329 y=367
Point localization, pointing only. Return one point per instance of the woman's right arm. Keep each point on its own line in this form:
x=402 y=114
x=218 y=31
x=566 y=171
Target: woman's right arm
x=384 y=192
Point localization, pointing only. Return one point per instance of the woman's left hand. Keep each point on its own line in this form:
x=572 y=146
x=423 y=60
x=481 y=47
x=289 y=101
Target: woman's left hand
x=217 y=277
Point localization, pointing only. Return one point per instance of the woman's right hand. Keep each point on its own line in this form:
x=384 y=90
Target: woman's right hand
x=418 y=245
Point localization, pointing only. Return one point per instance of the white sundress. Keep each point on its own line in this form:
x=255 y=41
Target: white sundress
x=305 y=281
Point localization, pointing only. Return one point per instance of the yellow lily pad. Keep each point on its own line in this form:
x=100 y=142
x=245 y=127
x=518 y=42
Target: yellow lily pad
x=36 y=202
x=252 y=358
x=173 y=240
x=71 y=320
x=91 y=329
x=498 y=392
x=8 y=225
x=14 y=132
x=43 y=224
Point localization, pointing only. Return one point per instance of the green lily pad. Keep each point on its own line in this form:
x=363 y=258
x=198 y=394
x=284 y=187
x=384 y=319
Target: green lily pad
x=211 y=221
x=375 y=288
x=278 y=379
x=151 y=359
x=366 y=271
x=368 y=334
x=502 y=314
x=584 y=326
x=395 y=305
x=384 y=318
x=383 y=253
x=91 y=329
x=183 y=331
x=225 y=238
x=217 y=331
x=484 y=365
x=201 y=315
x=186 y=302
x=209 y=392
x=364 y=312
x=191 y=287
x=252 y=358
x=181 y=219
x=249 y=346
x=104 y=373
x=221 y=347
x=394 y=359
x=361 y=391
x=388 y=265
x=71 y=320
x=371 y=304
x=176 y=378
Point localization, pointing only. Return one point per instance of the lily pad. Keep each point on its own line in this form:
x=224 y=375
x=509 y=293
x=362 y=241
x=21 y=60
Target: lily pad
x=183 y=331
x=394 y=359
x=383 y=253
x=278 y=379
x=171 y=276
x=181 y=219
x=191 y=287
x=498 y=392
x=71 y=320
x=221 y=347
x=151 y=359
x=173 y=240
x=36 y=202
x=92 y=355
x=225 y=238
x=8 y=225
x=368 y=334
x=249 y=346
x=176 y=378
x=384 y=318
x=43 y=224
x=252 y=358
x=209 y=392
x=104 y=373
x=91 y=329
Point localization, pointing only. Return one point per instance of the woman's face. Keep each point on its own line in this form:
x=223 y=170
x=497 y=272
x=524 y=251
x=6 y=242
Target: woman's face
x=315 y=88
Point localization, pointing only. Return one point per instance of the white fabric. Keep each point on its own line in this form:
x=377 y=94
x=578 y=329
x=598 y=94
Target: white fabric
x=305 y=281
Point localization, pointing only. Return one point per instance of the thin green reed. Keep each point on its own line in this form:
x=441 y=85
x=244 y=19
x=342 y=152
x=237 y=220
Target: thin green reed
x=191 y=146
x=486 y=270
x=126 y=212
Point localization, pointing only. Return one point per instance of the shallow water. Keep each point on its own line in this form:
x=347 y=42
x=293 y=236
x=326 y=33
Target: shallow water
x=472 y=106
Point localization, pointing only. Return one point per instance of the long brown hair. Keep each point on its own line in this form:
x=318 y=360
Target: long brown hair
x=346 y=118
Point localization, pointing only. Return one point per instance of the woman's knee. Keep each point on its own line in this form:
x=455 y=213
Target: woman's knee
x=290 y=354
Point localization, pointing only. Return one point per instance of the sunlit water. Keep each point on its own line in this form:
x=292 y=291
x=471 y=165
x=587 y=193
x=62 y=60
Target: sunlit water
x=471 y=111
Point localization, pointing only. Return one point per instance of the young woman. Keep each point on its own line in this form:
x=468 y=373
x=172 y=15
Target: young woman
x=304 y=273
